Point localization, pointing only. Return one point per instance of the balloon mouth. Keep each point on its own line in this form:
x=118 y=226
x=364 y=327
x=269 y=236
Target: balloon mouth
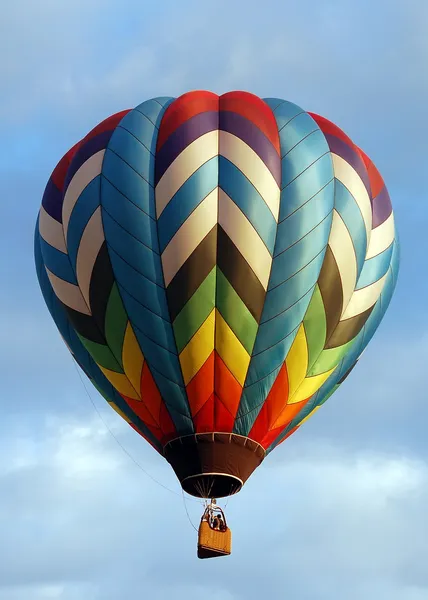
x=212 y=485
x=213 y=465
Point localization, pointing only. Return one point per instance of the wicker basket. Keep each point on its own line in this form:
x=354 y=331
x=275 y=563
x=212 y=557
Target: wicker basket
x=212 y=543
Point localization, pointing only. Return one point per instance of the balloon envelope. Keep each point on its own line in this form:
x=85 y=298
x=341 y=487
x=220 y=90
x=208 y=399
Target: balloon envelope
x=216 y=265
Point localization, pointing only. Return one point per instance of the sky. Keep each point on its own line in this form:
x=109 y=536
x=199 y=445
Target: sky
x=339 y=510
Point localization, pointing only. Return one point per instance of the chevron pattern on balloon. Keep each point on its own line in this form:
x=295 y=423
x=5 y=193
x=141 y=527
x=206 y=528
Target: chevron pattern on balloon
x=216 y=264
x=77 y=262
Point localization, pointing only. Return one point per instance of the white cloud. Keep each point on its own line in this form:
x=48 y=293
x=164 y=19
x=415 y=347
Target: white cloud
x=76 y=514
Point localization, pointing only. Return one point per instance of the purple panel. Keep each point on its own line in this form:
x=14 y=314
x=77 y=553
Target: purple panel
x=188 y=132
x=91 y=147
x=382 y=207
x=248 y=132
x=342 y=149
x=52 y=201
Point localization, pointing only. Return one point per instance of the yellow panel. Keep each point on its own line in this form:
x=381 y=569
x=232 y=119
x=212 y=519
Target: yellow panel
x=119 y=412
x=194 y=355
x=132 y=359
x=309 y=386
x=297 y=361
x=230 y=349
x=120 y=382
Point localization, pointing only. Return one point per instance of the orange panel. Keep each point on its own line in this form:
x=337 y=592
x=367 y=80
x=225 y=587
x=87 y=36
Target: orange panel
x=273 y=406
x=201 y=387
x=226 y=387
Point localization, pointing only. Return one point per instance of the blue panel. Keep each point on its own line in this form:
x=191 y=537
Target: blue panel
x=307 y=185
x=348 y=209
x=244 y=194
x=154 y=109
x=133 y=152
x=273 y=103
x=57 y=262
x=132 y=251
x=295 y=131
x=129 y=183
x=285 y=265
x=192 y=192
x=306 y=218
x=284 y=111
x=141 y=127
x=289 y=292
x=375 y=268
x=154 y=327
x=82 y=357
x=135 y=242
x=273 y=331
x=252 y=401
x=149 y=294
x=129 y=217
x=175 y=399
x=87 y=203
x=160 y=359
x=303 y=156
x=263 y=364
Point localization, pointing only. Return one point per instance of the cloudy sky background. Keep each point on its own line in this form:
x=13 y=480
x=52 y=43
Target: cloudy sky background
x=339 y=511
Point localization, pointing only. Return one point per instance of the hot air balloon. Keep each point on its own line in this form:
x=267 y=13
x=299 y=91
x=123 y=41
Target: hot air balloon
x=216 y=265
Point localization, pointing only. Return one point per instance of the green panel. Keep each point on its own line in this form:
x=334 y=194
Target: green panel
x=235 y=313
x=116 y=321
x=315 y=327
x=101 y=354
x=195 y=311
x=329 y=358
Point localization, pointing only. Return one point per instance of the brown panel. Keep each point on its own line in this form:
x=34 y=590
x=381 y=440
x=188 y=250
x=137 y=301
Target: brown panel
x=192 y=273
x=348 y=329
x=240 y=275
x=330 y=286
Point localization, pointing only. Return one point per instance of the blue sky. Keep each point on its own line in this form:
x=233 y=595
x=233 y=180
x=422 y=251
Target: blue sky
x=339 y=510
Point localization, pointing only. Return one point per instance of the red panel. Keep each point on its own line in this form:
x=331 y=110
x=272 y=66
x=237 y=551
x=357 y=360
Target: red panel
x=204 y=419
x=255 y=110
x=166 y=424
x=376 y=181
x=327 y=126
x=226 y=387
x=154 y=403
x=60 y=171
x=223 y=420
x=141 y=410
x=183 y=108
x=107 y=125
x=201 y=387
